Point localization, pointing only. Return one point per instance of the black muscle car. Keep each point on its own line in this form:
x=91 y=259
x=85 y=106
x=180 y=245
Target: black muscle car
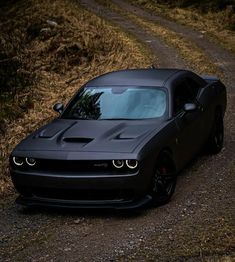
x=121 y=140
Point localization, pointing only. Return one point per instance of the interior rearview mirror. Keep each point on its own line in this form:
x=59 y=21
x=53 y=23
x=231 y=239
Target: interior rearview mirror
x=58 y=107
x=189 y=107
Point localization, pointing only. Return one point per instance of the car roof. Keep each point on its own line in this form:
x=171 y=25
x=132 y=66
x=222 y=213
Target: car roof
x=135 y=77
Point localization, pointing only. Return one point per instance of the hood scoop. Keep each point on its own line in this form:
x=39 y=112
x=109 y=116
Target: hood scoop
x=81 y=140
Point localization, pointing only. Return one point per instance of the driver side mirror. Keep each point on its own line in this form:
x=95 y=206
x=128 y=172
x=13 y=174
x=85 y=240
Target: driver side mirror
x=58 y=107
x=190 y=107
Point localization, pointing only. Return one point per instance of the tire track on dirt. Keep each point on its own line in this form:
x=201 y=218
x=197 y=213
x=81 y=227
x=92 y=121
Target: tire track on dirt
x=165 y=54
x=221 y=57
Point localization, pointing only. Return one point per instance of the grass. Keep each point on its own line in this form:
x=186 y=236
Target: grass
x=217 y=24
x=62 y=46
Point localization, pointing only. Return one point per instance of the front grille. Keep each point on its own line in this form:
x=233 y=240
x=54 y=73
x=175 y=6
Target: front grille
x=72 y=166
x=80 y=194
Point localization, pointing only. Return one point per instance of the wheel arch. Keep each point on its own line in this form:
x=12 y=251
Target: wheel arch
x=167 y=151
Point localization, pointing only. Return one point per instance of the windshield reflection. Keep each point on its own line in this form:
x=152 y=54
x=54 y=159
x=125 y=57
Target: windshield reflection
x=117 y=103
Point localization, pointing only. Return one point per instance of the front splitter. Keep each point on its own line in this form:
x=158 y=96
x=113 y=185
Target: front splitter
x=84 y=204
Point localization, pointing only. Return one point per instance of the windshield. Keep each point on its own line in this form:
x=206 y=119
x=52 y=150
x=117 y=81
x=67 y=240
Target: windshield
x=117 y=103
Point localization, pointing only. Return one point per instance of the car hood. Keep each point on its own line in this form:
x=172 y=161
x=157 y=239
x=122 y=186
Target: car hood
x=90 y=136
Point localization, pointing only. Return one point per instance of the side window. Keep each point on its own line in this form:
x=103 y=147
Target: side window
x=194 y=87
x=182 y=95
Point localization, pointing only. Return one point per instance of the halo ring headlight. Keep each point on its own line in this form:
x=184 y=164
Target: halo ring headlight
x=132 y=164
x=18 y=161
x=118 y=163
x=30 y=161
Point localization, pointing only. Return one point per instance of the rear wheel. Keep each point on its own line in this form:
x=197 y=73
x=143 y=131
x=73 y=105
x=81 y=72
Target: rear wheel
x=164 y=181
x=215 y=143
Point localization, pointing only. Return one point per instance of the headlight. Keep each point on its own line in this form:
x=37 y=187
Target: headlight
x=18 y=161
x=132 y=164
x=30 y=161
x=118 y=163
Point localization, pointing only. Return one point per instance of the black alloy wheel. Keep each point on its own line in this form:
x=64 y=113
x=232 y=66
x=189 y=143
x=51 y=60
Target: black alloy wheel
x=164 y=181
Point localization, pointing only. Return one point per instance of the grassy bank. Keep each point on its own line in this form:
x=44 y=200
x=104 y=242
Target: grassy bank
x=53 y=47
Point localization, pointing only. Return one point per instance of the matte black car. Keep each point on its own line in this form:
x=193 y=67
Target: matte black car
x=121 y=140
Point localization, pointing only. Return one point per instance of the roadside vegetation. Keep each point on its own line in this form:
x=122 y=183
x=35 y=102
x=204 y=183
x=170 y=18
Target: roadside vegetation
x=48 y=50
x=215 y=18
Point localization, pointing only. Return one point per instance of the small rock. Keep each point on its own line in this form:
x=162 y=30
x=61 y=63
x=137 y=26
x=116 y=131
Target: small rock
x=171 y=238
x=45 y=30
x=77 y=221
x=52 y=23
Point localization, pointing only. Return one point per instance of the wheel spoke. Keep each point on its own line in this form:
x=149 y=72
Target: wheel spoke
x=161 y=189
x=163 y=182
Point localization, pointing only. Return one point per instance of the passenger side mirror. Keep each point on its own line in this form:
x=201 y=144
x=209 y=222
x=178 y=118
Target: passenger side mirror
x=190 y=107
x=58 y=107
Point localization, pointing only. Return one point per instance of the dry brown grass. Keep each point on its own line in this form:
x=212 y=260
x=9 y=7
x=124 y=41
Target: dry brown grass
x=217 y=25
x=63 y=57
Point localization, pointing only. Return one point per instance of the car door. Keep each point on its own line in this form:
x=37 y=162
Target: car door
x=196 y=85
x=189 y=124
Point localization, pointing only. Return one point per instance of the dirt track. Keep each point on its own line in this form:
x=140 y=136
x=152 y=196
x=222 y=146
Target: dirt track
x=197 y=224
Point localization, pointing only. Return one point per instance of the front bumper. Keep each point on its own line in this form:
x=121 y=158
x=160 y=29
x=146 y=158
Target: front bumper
x=88 y=190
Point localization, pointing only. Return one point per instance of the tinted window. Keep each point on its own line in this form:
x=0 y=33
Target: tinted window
x=194 y=87
x=182 y=95
x=118 y=103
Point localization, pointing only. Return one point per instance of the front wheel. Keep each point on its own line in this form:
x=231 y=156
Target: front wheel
x=164 y=181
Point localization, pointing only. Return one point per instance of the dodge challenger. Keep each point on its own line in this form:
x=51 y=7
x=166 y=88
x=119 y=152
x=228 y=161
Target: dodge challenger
x=121 y=141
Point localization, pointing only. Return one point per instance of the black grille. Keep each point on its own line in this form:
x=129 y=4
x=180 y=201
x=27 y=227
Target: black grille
x=80 y=194
x=72 y=166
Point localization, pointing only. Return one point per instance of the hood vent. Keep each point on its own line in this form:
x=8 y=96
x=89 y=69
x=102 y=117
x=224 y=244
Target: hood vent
x=124 y=137
x=82 y=140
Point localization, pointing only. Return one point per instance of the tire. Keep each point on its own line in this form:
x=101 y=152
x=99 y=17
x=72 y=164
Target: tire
x=164 y=181
x=216 y=139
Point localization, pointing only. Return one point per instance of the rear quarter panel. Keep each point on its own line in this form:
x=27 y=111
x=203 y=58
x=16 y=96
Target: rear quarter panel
x=211 y=98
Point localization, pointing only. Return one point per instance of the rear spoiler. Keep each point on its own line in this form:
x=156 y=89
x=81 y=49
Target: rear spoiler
x=210 y=78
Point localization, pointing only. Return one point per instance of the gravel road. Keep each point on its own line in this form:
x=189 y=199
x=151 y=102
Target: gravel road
x=196 y=225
